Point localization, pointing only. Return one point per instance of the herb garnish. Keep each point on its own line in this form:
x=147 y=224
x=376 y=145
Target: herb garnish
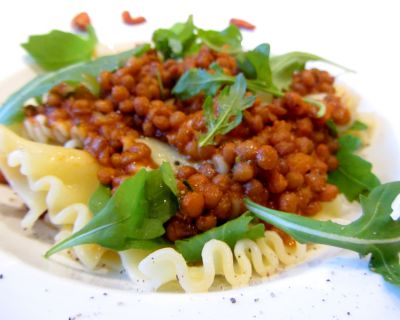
x=194 y=81
x=283 y=66
x=254 y=64
x=58 y=49
x=231 y=103
x=11 y=111
x=133 y=216
x=185 y=38
x=264 y=75
x=176 y=41
x=358 y=126
x=354 y=175
x=375 y=232
x=230 y=232
x=228 y=40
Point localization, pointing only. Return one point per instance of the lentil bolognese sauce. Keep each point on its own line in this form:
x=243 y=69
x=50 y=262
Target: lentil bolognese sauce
x=279 y=155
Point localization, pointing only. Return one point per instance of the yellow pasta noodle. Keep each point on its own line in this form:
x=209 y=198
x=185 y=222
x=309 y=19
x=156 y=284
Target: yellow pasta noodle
x=263 y=257
x=53 y=179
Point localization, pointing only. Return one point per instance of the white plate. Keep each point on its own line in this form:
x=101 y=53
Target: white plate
x=336 y=285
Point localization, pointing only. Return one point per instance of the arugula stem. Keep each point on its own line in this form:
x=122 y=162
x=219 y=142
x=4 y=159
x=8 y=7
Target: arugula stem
x=212 y=132
x=256 y=86
x=322 y=107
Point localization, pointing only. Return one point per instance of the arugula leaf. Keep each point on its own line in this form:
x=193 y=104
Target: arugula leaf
x=99 y=199
x=185 y=38
x=256 y=67
x=195 y=81
x=91 y=83
x=152 y=244
x=58 y=49
x=255 y=63
x=332 y=127
x=132 y=216
x=354 y=175
x=168 y=177
x=283 y=66
x=375 y=232
x=230 y=106
x=174 y=42
x=11 y=111
x=261 y=77
x=358 y=126
x=230 y=232
x=228 y=40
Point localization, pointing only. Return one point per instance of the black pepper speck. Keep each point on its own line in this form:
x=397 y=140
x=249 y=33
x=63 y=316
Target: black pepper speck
x=233 y=300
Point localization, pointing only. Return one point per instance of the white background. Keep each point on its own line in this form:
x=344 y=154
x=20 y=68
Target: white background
x=362 y=35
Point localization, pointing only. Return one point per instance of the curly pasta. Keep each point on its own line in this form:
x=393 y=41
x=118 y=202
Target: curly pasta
x=60 y=132
x=263 y=256
x=34 y=172
x=37 y=129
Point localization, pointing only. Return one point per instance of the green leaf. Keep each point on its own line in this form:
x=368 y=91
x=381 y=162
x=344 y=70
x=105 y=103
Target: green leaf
x=230 y=106
x=99 y=199
x=11 y=111
x=375 y=232
x=228 y=40
x=230 y=232
x=184 y=39
x=256 y=67
x=332 y=127
x=59 y=49
x=358 y=126
x=283 y=66
x=91 y=83
x=354 y=175
x=168 y=177
x=174 y=42
x=152 y=244
x=264 y=75
x=195 y=81
x=133 y=215
x=349 y=143
x=255 y=63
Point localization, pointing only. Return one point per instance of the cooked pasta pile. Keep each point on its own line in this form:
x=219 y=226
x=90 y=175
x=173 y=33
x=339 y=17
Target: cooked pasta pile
x=34 y=173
